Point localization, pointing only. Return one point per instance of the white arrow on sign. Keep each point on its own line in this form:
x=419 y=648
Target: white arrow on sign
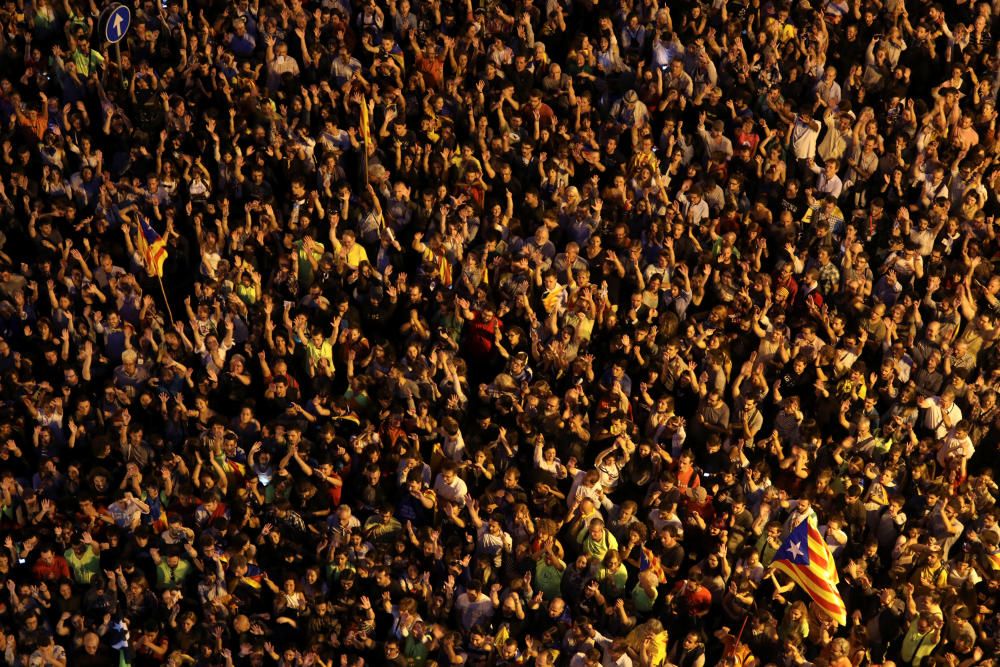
x=118 y=24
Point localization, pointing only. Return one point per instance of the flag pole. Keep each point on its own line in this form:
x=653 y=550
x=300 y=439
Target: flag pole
x=166 y=301
x=366 y=163
x=731 y=650
x=365 y=133
x=739 y=636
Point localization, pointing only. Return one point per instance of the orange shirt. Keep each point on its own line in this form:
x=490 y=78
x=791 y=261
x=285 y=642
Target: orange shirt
x=688 y=479
x=36 y=127
x=433 y=69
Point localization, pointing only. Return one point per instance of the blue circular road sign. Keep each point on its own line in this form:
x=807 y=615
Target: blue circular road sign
x=117 y=24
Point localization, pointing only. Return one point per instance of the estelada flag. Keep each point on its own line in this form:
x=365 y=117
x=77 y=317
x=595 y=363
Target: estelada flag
x=553 y=299
x=994 y=558
x=650 y=561
x=152 y=247
x=805 y=557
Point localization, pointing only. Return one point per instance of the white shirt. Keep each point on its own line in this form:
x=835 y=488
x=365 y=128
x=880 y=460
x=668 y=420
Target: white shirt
x=474 y=612
x=694 y=213
x=579 y=491
x=955 y=449
x=554 y=468
x=829 y=92
x=610 y=475
x=830 y=186
x=279 y=66
x=661 y=520
x=454 y=492
x=494 y=545
x=609 y=661
x=454 y=447
x=803 y=140
x=934 y=417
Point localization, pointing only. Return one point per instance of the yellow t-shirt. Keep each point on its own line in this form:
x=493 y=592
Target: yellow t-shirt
x=659 y=656
x=322 y=351
x=785 y=31
x=356 y=255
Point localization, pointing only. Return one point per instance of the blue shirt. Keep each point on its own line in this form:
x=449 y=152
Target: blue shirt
x=242 y=46
x=626 y=381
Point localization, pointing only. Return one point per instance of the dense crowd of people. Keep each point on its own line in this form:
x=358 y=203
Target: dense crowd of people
x=539 y=367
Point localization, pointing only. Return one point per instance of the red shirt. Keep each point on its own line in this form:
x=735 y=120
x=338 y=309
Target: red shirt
x=57 y=569
x=333 y=491
x=706 y=509
x=481 y=336
x=546 y=117
x=790 y=285
x=696 y=599
x=749 y=140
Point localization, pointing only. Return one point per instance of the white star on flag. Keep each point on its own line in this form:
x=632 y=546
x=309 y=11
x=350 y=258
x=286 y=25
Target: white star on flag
x=796 y=549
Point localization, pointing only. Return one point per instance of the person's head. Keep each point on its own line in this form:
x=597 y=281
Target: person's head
x=947 y=399
x=926 y=622
x=449 y=472
x=596 y=530
x=91 y=643
x=691 y=641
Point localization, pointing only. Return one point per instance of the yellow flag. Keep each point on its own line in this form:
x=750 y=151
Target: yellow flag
x=501 y=637
x=365 y=132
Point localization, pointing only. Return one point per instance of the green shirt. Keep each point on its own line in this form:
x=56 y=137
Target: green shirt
x=76 y=22
x=766 y=550
x=305 y=267
x=613 y=582
x=85 y=63
x=597 y=548
x=83 y=567
x=316 y=352
x=642 y=600
x=548 y=578
x=415 y=651
x=247 y=293
x=167 y=578
x=333 y=572
x=917 y=646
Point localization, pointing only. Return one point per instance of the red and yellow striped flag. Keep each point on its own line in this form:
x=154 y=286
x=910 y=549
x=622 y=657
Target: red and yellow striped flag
x=152 y=248
x=805 y=558
x=444 y=272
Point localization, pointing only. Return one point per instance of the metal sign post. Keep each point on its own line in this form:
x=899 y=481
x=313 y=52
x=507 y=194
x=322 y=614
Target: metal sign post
x=115 y=22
